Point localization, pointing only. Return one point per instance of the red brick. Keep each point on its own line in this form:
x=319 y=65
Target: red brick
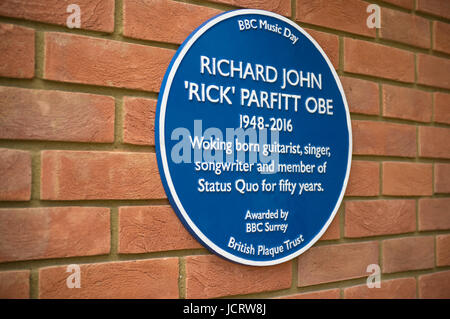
x=362 y=96
x=434 y=213
x=95 y=14
x=282 y=7
x=405 y=28
x=443 y=250
x=410 y=253
x=321 y=294
x=433 y=142
x=435 y=7
x=152 y=228
x=17 y=47
x=379 y=217
x=441 y=41
x=336 y=262
x=152 y=278
x=404 y=288
x=433 y=71
x=139 y=121
x=435 y=286
x=344 y=15
x=408 y=4
x=329 y=43
x=407 y=104
x=53 y=232
x=442 y=108
x=15 y=284
x=87 y=60
x=442 y=178
x=378 y=60
x=15 y=172
x=82 y=175
x=407 y=179
x=149 y=20
x=55 y=116
x=210 y=276
x=333 y=231
x=384 y=139
x=364 y=179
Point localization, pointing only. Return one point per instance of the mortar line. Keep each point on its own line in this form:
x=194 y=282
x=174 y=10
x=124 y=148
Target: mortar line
x=34 y=283
x=114 y=233
x=182 y=278
x=295 y=274
x=293 y=10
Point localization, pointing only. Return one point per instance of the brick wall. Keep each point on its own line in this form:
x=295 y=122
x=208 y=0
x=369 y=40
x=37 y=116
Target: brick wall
x=79 y=182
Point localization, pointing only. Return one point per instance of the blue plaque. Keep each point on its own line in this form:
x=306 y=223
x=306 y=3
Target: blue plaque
x=253 y=137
